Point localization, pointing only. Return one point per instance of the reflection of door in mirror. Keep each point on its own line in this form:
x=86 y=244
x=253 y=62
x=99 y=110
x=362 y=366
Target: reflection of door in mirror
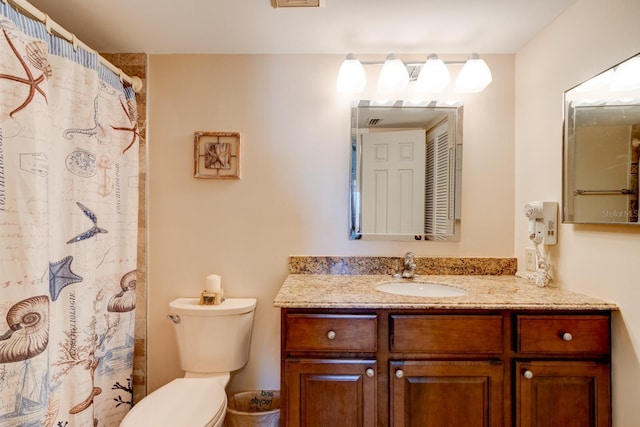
x=408 y=182
x=393 y=182
x=406 y=167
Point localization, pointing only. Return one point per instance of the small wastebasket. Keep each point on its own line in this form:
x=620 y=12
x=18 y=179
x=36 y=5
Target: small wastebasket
x=258 y=408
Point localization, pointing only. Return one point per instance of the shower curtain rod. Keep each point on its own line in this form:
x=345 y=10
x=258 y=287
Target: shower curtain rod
x=52 y=26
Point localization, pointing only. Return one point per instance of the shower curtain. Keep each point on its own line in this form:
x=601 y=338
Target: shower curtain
x=68 y=228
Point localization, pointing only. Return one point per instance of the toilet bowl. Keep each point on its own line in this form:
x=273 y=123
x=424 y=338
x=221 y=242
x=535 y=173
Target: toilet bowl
x=213 y=341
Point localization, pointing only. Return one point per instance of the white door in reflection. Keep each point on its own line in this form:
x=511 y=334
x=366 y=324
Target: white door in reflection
x=393 y=185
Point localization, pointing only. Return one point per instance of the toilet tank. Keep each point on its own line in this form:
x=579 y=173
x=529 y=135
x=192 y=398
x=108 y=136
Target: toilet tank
x=213 y=338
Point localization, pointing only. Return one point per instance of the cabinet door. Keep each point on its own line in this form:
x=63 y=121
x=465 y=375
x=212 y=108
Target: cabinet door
x=562 y=394
x=330 y=393
x=446 y=393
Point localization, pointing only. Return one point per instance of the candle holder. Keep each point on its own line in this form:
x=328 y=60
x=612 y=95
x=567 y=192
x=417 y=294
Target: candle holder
x=211 y=298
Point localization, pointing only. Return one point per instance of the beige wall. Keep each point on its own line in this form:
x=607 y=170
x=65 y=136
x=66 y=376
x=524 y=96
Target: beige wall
x=292 y=198
x=599 y=260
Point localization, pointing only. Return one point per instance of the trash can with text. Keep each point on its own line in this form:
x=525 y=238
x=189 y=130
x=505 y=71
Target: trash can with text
x=259 y=408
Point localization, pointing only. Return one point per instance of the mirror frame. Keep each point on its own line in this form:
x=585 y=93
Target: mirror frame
x=454 y=111
x=571 y=106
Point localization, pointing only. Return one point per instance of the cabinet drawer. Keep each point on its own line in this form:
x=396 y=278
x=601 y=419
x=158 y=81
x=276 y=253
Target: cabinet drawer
x=563 y=334
x=447 y=334
x=331 y=332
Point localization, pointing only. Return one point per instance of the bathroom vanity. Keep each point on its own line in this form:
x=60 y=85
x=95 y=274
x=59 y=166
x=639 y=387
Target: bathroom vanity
x=506 y=353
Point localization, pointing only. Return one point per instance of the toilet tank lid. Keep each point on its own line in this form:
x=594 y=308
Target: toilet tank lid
x=229 y=306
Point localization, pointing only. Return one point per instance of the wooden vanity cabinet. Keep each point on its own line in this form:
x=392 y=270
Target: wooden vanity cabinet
x=562 y=371
x=463 y=386
x=445 y=368
x=329 y=369
x=446 y=393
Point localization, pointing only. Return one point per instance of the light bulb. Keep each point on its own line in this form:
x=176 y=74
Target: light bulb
x=394 y=76
x=351 y=77
x=474 y=76
x=434 y=76
x=627 y=75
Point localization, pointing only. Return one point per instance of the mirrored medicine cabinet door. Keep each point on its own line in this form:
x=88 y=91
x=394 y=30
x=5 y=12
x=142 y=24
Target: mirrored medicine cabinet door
x=406 y=169
x=601 y=147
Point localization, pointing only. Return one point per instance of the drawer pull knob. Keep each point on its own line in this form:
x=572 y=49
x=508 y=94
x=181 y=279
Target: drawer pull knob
x=399 y=373
x=528 y=374
x=331 y=335
x=567 y=336
x=369 y=372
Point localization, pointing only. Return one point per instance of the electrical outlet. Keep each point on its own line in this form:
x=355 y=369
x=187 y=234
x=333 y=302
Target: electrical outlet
x=530 y=259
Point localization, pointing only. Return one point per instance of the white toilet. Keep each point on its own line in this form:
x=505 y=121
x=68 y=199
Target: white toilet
x=213 y=341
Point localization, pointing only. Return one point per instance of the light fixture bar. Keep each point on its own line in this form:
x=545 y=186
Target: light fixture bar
x=474 y=76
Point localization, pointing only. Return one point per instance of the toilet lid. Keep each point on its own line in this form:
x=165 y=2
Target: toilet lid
x=195 y=402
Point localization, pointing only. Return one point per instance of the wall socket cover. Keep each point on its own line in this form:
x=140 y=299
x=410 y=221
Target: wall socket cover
x=530 y=259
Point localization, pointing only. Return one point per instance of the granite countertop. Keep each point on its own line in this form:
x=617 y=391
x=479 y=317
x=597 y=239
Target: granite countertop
x=484 y=292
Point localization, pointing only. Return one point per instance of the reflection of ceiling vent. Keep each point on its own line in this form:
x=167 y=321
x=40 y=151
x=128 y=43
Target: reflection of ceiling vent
x=374 y=122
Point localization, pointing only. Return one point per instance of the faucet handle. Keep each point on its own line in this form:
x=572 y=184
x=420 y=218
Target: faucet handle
x=409 y=258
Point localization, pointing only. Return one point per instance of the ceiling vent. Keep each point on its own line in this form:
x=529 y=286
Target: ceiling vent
x=295 y=3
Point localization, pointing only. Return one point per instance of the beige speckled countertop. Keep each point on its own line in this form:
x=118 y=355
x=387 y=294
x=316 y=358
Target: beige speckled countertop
x=484 y=292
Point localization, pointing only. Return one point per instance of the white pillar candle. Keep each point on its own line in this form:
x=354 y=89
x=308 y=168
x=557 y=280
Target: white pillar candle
x=213 y=283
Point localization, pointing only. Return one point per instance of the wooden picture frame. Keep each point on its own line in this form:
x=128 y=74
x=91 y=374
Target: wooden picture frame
x=216 y=155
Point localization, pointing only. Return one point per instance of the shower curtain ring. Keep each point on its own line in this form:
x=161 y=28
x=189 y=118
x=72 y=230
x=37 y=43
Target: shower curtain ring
x=47 y=23
x=74 y=42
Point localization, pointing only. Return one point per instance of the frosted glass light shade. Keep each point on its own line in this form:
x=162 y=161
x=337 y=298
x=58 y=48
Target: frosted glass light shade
x=394 y=76
x=599 y=82
x=351 y=77
x=627 y=75
x=474 y=76
x=433 y=77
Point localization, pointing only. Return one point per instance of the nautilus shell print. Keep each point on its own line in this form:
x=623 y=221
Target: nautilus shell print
x=126 y=299
x=37 y=54
x=28 y=333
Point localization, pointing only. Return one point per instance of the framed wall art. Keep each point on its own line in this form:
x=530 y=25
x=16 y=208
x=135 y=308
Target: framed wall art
x=216 y=155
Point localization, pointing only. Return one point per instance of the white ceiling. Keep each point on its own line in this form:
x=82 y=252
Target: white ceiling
x=338 y=26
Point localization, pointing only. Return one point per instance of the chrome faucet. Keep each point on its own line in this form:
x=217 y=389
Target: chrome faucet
x=409 y=271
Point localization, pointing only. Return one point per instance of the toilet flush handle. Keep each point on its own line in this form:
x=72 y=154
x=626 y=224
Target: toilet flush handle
x=174 y=318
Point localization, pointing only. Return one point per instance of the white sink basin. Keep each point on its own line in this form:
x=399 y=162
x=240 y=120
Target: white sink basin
x=421 y=289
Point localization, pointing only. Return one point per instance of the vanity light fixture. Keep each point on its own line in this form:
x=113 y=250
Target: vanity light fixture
x=394 y=76
x=474 y=76
x=627 y=76
x=351 y=77
x=433 y=76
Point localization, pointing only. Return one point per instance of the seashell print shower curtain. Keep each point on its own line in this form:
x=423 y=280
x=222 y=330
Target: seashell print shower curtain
x=68 y=227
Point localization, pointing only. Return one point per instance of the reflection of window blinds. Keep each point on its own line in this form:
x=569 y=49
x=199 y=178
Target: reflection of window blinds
x=439 y=188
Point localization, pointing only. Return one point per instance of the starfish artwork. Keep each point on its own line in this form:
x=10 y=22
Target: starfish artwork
x=133 y=129
x=30 y=80
x=61 y=276
x=90 y=232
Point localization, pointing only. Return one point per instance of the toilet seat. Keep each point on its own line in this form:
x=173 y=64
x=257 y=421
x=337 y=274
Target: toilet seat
x=194 y=402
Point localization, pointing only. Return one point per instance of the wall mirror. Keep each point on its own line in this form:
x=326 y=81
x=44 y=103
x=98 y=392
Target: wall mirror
x=406 y=169
x=601 y=147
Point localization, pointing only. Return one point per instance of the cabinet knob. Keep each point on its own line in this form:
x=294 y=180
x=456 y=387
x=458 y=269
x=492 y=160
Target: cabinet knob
x=567 y=336
x=331 y=335
x=369 y=372
x=399 y=373
x=528 y=374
